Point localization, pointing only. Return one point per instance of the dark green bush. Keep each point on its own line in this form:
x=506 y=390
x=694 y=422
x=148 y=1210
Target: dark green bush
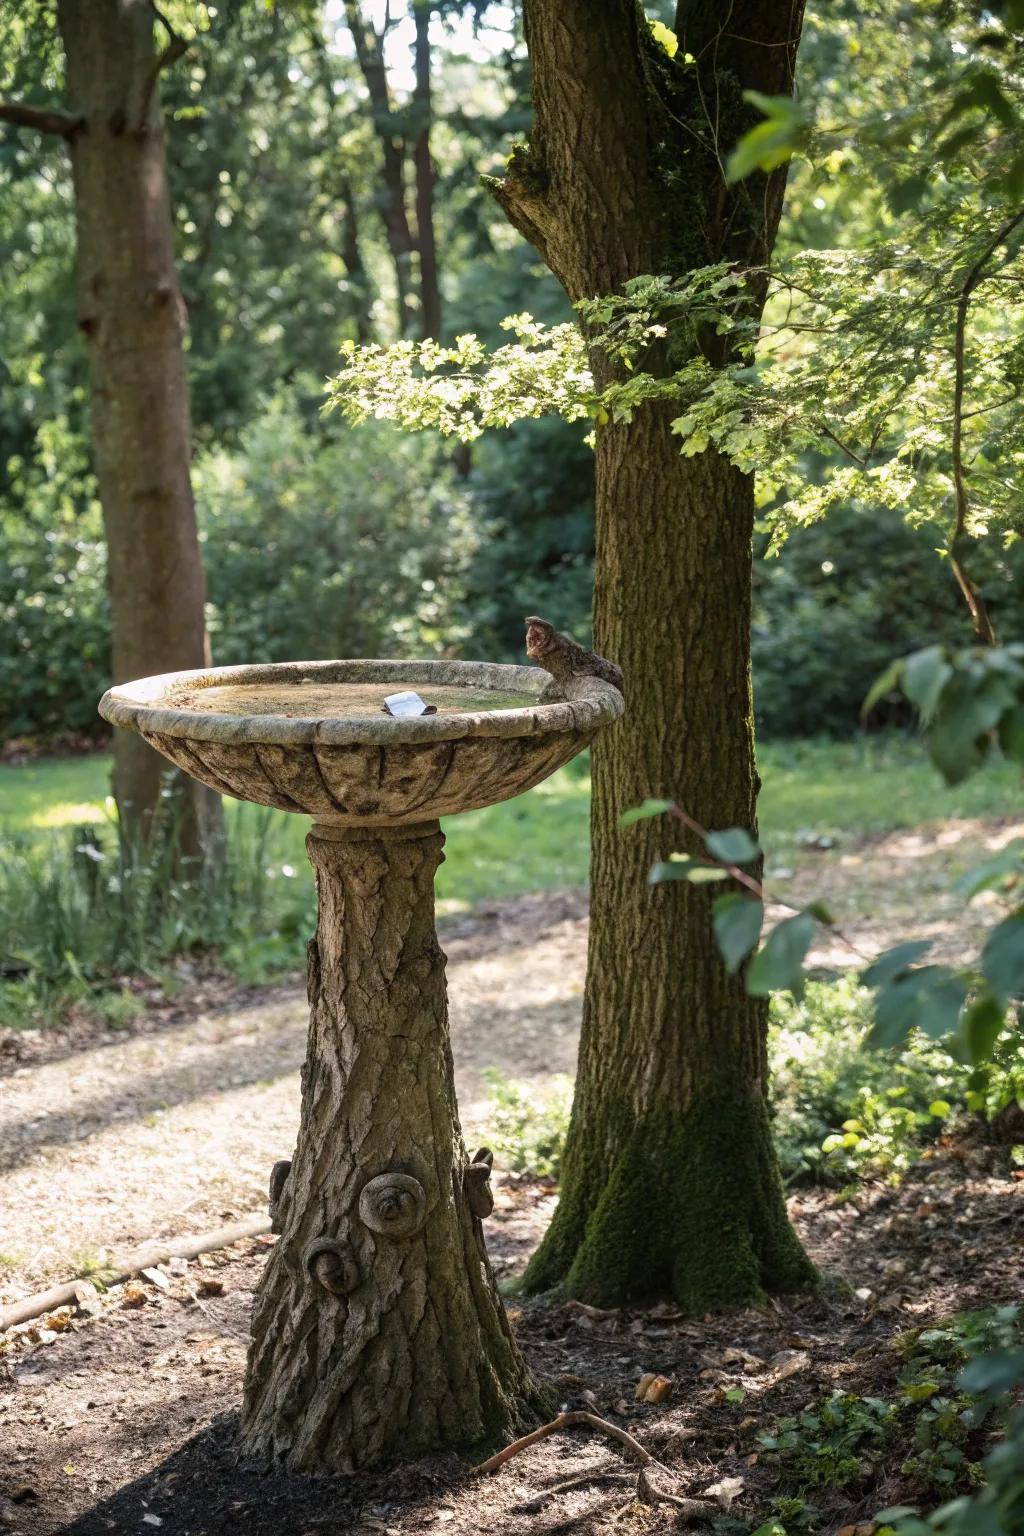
x=54 y=660
x=844 y=598
x=320 y=540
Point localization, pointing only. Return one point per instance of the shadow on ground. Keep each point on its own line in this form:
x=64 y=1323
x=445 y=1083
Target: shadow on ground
x=206 y=1488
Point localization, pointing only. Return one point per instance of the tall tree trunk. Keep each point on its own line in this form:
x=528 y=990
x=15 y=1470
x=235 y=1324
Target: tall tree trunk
x=339 y=190
x=670 y=1181
x=430 y=291
x=369 y=46
x=380 y=1271
x=359 y=282
x=132 y=315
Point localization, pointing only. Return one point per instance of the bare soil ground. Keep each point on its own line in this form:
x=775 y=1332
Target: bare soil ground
x=123 y=1418
x=118 y=1416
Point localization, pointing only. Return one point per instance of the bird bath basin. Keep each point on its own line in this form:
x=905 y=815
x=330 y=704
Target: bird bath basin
x=314 y=737
x=377 y=1331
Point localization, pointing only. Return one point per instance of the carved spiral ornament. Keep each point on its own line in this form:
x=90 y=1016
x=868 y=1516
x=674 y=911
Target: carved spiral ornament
x=333 y=1264
x=394 y=1205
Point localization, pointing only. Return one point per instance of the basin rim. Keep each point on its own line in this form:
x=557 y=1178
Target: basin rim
x=589 y=704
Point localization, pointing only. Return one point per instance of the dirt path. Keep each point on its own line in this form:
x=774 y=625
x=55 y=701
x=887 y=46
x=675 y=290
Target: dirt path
x=175 y=1128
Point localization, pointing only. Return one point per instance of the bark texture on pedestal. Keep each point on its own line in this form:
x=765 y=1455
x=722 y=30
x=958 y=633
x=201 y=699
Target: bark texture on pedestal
x=378 y=1332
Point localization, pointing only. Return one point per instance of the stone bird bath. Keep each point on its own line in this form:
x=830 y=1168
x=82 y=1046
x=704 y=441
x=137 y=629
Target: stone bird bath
x=377 y=1329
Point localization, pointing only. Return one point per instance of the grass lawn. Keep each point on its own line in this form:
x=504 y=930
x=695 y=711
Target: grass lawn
x=540 y=840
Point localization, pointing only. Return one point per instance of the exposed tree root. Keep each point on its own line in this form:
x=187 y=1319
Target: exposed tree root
x=566 y=1421
x=647 y=1490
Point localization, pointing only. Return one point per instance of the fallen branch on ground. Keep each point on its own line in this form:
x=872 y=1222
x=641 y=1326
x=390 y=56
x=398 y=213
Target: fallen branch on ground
x=647 y=1491
x=124 y=1268
x=611 y=1473
x=566 y=1421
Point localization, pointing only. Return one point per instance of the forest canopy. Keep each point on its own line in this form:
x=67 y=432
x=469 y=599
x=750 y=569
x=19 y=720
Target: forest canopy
x=285 y=254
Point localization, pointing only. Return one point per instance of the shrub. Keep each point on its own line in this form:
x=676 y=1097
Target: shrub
x=842 y=1112
x=323 y=541
x=527 y=1129
x=848 y=595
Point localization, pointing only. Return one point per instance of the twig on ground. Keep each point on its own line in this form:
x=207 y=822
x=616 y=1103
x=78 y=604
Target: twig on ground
x=575 y=1416
x=689 y=1509
x=611 y=1473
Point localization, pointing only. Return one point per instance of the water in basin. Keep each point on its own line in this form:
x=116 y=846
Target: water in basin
x=320 y=701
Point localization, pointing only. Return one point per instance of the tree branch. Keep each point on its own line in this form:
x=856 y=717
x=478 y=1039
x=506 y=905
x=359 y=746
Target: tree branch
x=42 y=119
x=175 y=50
x=983 y=626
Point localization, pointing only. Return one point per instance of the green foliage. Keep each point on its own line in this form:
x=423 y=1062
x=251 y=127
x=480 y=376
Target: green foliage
x=971 y=703
x=55 y=660
x=834 y=1444
x=321 y=543
x=930 y=1432
x=847 y=595
x=527 y=1129
x=771 y=142
x=841 y=1114
x=86 y=909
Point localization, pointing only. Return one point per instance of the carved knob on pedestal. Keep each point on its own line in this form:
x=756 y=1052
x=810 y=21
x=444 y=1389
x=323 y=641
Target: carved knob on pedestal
x=478 y=1183
x=393 y=1204
x=333 y=1264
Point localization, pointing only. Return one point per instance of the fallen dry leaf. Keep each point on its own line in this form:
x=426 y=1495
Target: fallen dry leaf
x=726 y=1492
x=787 y=1363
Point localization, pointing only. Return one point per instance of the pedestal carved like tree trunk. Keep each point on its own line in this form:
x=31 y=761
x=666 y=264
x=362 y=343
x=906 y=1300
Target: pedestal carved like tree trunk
x=377 y=1329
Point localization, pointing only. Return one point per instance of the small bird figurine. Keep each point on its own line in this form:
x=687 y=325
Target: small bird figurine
x=563 y=658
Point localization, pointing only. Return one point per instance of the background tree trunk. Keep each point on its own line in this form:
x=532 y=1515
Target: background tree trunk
x=411 y=1350
x=670 y=1181
x=369 y=48
x=132 y=315
x=426 y=241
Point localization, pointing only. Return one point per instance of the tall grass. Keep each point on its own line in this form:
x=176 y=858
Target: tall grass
x=83 y=910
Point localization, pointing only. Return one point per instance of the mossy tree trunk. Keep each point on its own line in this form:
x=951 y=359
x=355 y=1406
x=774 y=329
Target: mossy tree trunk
x=131 y=312
x=378 y=1332
x=670 y=1181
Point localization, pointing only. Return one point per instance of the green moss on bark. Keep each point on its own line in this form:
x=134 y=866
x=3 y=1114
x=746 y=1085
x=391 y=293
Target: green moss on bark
x=690 y=1205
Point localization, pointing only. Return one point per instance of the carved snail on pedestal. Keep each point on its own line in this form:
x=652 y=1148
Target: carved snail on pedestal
x=393 y=1205
x=333 y=1264
x=278 y=1179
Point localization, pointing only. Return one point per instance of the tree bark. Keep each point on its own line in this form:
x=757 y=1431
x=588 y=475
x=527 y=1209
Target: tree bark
x=426 y=240
x=378 y=1332
x=132 y=315
x=369 y=48
x=670 y=1181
